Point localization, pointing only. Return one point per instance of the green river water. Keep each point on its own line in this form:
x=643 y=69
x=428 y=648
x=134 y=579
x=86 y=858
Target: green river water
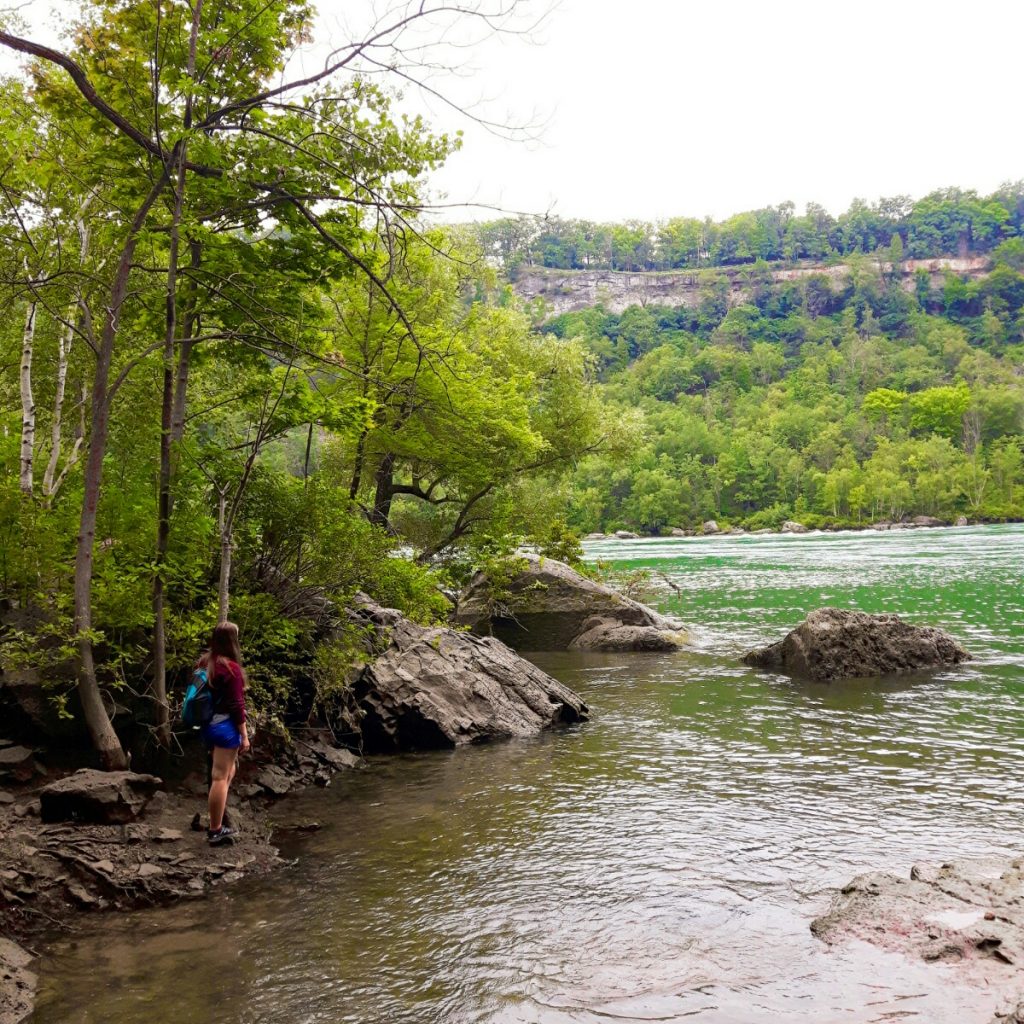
x=660 y=863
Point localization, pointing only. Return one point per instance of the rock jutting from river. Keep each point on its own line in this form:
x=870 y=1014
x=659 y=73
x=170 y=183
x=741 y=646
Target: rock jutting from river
x=549 y=606
x=962 y=911
x=834 y=643
x=434 y=687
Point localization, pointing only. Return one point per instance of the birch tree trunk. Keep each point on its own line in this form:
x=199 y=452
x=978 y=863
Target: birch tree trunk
x=63 y=352
x=28 y=405
x=76 y=447
x=51 y=482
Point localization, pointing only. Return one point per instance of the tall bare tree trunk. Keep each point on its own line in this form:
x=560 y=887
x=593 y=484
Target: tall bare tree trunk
x=76 y=447
x=227 y=512
x=224 y=583
x=101 y=730
x=163 y=529
x=190 y=330
x=164 y=497
x=28 y=405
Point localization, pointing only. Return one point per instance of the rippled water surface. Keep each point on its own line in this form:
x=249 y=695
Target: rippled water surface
x=661 y=863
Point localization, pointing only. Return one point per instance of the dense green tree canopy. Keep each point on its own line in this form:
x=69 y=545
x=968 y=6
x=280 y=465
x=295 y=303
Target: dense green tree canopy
x=244 y=370
x=949 y=222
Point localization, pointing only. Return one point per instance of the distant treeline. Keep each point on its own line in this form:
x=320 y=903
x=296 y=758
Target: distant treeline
x=948 y=222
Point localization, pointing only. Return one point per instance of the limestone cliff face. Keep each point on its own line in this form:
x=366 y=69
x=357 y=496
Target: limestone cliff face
x=567 y=290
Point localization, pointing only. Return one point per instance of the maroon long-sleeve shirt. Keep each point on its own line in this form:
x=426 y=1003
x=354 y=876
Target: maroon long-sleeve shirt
x=228 y=685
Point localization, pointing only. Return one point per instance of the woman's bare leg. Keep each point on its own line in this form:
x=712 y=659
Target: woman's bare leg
x=223 y=772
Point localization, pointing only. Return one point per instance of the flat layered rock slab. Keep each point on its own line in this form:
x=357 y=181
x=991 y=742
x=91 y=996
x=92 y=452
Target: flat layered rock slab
x=102 y=798
x=434 y=687
x=17 y=983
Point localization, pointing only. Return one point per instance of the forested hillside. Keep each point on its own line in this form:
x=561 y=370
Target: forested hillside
x=831 y=401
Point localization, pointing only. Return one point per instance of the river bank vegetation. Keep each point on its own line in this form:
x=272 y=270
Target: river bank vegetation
x=239 y=369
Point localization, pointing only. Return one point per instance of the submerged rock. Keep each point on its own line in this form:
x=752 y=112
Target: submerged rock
x=957 y=912
x=549 y=606
x=608 y=635
x=833 y=643
x=433 y=687
x=103 y=798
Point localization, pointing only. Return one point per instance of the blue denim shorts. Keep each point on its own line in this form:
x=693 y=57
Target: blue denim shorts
x=222 y=734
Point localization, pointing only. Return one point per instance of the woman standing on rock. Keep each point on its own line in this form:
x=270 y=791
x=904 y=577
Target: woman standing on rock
x=226 y=733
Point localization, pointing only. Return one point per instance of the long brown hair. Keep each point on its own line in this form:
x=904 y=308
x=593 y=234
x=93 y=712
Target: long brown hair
x=224 y=646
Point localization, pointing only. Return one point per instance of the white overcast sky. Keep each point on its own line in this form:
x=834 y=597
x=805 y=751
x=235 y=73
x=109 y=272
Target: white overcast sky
x=655 y=108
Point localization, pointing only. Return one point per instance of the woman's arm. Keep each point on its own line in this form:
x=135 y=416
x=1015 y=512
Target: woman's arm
x=233 y=699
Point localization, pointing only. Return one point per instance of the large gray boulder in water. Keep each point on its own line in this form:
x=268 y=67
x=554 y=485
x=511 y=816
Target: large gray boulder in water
x=549 y=606
x=833 y=643
x=433 y=687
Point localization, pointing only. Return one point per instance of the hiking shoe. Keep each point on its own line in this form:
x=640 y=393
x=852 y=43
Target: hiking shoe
x=221 y=835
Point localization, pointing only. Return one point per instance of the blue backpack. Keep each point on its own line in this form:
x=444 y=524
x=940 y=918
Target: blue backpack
x=197 y=707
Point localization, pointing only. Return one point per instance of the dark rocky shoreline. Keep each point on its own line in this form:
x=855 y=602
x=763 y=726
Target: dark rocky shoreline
x=74 y=844
x=56 y=875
